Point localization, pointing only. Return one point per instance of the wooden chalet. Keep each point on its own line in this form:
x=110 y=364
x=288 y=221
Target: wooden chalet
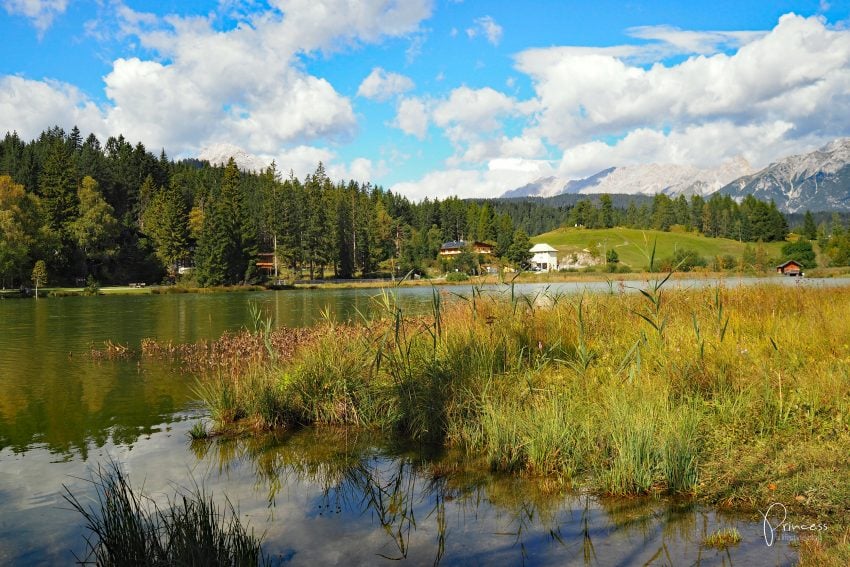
x=455 y=247
x=265 y=261
x=790 y=268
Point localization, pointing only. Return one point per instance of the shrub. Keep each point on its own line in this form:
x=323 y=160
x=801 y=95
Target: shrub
x=800 y=251
x=456 y=277
x=683 y=260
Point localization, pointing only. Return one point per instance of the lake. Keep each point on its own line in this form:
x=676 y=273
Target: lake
x=320 y=497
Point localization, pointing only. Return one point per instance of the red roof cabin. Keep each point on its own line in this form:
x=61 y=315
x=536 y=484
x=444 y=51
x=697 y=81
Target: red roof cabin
x=790 y=268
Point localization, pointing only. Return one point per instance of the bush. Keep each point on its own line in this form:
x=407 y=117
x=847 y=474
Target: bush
x=456 y=277
x=683 y=260
x=92 y=286
x=800 y=251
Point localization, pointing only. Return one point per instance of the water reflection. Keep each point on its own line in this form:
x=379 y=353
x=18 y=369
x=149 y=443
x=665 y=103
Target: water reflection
x=52 y=395
x=420 y=506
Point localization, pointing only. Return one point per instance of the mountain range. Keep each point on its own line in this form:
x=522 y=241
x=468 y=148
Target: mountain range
x=220 y=154
x=816 y=181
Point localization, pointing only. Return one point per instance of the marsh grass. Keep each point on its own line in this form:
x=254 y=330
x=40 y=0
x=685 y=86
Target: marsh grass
x=723 y=538
x=128 y=528
x=713 y=393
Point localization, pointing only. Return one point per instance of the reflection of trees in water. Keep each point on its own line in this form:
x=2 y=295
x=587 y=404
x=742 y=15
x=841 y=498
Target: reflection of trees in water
x=404 y=490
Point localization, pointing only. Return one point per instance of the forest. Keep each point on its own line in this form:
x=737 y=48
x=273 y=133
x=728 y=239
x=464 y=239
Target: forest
x=118 y=213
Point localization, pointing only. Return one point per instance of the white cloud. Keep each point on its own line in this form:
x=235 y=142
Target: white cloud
x=784 y=89
x=412 y=117
x=362 y=170
x=500 y=176
x=302 y=160
x=487 y=26
x=40 y=12
x=491 y=29
x=474 y=109
x=381 y=85
x=246 y=85
x=687 y=41
x=29 y=107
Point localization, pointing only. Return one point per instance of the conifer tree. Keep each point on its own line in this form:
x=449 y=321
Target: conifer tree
x=810 y=229
x=166 y=223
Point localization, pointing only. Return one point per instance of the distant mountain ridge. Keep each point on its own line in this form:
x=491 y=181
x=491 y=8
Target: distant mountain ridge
x=220 y=154
x=647 y=179
x=817 y=181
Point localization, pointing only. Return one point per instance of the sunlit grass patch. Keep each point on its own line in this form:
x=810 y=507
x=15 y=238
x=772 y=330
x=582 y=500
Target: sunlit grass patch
x=723 y=538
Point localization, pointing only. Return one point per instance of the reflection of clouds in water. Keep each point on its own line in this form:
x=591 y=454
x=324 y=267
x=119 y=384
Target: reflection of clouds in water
x=309 y=495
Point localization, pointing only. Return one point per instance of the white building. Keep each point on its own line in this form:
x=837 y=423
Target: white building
x=545 y=258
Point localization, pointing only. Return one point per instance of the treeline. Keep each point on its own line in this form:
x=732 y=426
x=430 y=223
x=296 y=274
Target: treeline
x=720 y=216
x=118 y=213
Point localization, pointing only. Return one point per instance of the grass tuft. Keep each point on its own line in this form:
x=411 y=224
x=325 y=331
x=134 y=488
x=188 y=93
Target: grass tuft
x=723 y=538
x=127 y=528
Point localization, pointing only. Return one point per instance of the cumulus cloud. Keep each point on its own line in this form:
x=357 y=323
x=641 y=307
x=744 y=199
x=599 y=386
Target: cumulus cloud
x=474 y=109
x=412 y=117
x=40 y=12
x=381 y=85
x=500 y=176
x=28 y=107
x=760 y=95
x=789 y=86
x=204 y=86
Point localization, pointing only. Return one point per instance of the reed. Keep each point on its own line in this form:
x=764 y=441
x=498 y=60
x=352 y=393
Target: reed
x=128 y=528
x=714 y=393
x=723 y=538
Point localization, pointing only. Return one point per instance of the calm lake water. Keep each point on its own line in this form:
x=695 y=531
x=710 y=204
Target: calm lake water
x=320 y=498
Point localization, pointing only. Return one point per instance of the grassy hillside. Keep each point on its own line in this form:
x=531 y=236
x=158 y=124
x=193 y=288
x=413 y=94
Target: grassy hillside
x=634 y=246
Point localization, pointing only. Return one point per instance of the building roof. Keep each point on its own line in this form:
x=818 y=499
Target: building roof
x=788 y=263
x=451 y=245
x=542 y=248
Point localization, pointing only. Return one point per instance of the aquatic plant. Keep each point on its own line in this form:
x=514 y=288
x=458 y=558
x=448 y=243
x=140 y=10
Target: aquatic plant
x=198 y=431
x=723 y=538
x=724 y=387
x=128 y=528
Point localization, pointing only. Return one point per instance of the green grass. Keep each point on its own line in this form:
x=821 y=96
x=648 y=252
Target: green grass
x=737 y=397
x=633 y=245
x=128 y=528
x=723 y=538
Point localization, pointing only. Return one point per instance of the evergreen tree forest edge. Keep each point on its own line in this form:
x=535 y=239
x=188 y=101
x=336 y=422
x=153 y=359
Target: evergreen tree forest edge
x=118 y=213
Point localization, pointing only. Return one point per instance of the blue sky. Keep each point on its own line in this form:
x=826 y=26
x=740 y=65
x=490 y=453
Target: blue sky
x=432 y=98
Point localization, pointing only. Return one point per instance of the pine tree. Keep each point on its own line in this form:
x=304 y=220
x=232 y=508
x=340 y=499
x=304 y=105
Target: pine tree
x=518 y=253
x=810 y=229
x=344 y=233
x=166 y=222
x=224 y=249
x=606 y=211
x=57 y=186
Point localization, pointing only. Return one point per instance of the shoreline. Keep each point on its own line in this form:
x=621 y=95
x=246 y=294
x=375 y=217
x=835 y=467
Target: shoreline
x=523 y=278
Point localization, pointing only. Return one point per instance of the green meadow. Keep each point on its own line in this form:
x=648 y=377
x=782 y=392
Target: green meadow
x=634 y=246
